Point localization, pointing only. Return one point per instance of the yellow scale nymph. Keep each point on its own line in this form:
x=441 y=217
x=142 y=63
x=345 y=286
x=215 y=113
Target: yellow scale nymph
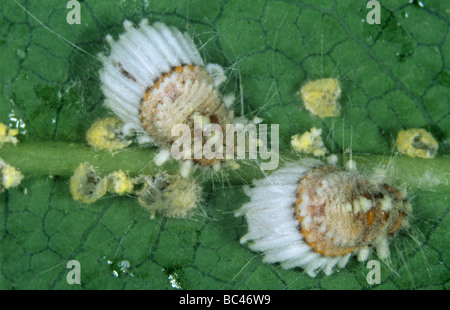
x=417 y=142
x=321 y=97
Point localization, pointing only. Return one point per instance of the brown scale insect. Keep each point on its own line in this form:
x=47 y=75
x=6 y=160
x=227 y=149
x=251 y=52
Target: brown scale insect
x=154 y=79
x=316 y=217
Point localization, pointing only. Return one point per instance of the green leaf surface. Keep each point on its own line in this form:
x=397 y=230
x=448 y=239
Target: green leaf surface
x=394 y=76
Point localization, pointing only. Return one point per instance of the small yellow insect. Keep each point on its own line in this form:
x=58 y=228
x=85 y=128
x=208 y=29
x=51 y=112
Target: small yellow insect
x=8 y=135
x=171 y=195
x=309 y=142
x=417 y=142
x=119 y=183
x=10 y=176
x=321 y=97
x=107 y=134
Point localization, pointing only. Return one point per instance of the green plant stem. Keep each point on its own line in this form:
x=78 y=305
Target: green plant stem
x=61 y=159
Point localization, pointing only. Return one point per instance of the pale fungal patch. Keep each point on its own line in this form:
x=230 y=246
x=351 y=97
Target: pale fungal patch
x=8 y=135
x=417 y=142
x=154 y=78
x=171 y=195
x=315 y=217
x=321 y=97
x=309 y=142
x=10 y=176
x=107 y=134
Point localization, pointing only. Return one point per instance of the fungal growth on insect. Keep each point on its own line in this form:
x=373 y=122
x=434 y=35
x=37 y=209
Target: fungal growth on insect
x=154 y=78
x=171 y=195
x=86 y=186
x=315 y=216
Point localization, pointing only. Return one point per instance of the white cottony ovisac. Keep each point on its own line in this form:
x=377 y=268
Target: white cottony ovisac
x=273 y=228
x=137 y=60
x=315 y=217
x=154 y=79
